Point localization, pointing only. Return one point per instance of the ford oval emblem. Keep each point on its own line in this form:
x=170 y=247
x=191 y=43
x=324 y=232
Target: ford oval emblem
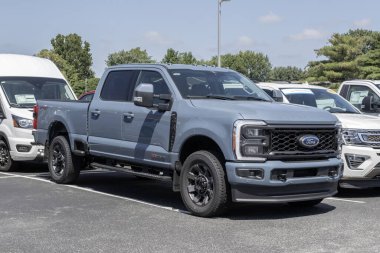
x=308 y=141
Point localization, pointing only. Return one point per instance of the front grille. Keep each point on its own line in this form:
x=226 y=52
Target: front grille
x=370 y=137
x=286 y=141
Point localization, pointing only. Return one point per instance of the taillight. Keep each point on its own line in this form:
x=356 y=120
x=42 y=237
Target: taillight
x=35 y=116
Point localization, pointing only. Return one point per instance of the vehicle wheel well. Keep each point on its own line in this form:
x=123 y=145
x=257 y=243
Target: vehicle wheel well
x=56 y=129
x=3 y=138
x=197 y=143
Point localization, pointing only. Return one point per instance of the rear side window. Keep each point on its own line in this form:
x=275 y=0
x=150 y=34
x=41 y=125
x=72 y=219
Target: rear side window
x=119 y=85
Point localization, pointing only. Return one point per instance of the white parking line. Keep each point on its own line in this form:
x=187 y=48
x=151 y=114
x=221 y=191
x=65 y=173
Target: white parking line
x=1 y=177
x=168 y=208
x=346 y=200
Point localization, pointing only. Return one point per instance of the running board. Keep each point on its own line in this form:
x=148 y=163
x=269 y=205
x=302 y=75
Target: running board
x=131 y=172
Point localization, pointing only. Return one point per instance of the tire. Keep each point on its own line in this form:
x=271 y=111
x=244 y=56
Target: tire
x=64 y=167
x=203 y=185
x=6 y=162
x=306 y=204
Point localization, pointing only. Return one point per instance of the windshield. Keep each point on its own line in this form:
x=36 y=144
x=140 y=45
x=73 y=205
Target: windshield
x=202 y=84
x=24 y=91
x=324 y=99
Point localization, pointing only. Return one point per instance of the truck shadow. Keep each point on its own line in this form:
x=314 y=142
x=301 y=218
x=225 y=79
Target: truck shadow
x=274 y=211
x=160 y=193
x=359 y=193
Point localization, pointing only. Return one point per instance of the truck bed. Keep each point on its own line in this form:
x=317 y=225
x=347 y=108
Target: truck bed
x=73 y=114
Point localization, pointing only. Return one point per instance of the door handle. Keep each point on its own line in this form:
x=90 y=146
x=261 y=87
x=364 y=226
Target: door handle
x=95 y=113
x=129 y=115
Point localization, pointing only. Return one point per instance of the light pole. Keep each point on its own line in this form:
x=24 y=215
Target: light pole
x=219 y=27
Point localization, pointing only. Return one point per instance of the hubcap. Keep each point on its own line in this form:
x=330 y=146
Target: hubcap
x=4 y=156
x=59 y=160
x=200 y=184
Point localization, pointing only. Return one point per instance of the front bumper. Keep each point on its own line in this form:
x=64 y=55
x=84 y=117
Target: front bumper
x=294 y=188
x=366 y=174
x=36 y=152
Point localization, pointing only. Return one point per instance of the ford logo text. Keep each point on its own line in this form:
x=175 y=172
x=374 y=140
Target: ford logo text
x=308 y=141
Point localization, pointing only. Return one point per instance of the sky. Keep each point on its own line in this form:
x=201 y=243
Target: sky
x=288 y=31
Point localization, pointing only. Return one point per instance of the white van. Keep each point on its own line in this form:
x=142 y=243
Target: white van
x=361 y=133
x=23 y=80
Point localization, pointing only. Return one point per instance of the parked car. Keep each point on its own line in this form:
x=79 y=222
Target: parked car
x=87 y=96
x=210 y=131
x=363 y=94
x=361 y=133
x=24 y=80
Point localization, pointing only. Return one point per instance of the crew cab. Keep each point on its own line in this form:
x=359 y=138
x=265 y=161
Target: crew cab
x=210 y=131
x=363 y=94
x=361 y=133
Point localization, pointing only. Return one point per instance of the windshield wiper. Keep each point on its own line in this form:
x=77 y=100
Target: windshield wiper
x=251 y=98
x=20 y=105
x=210 y=96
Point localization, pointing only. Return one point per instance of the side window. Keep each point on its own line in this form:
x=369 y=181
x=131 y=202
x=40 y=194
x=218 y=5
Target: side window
x=119 y=85
x=357 y=93
x=155 y=78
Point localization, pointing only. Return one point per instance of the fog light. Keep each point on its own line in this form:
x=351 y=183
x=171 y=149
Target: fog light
x=257 y=174
x=41 y=152
x=250 y=150
x=23 y=148
x=354 y=161
x=333 y=172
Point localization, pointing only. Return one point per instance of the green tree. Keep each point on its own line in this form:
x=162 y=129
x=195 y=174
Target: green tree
x=92 y=83
x=254 y=65
x=174 y=57
x=67 y=70
x=344 y=56
x=286 y=74
x=171 y=56
x=75 y=52
x=187 y=58
x=135 y=55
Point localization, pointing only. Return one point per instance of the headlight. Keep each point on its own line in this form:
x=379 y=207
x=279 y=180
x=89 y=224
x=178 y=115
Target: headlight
x=250 y=140
x=22 y=122
x=351 y=137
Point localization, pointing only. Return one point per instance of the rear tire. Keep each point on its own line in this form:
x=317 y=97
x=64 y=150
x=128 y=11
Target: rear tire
x=203 y=185
x=64 y=167
x=306 y=204
x=6 y=162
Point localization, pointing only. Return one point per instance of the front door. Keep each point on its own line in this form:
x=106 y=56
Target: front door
x=146 y=130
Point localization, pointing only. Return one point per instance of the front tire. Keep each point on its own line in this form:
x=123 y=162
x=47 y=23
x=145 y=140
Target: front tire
x=6 y=162
x=64 y=167
x=203 y=185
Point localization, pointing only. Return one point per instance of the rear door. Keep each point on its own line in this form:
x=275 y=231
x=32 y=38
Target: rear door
x=146 y=130
x=106 y=113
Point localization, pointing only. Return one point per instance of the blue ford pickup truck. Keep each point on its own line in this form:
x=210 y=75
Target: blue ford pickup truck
x=210 y=131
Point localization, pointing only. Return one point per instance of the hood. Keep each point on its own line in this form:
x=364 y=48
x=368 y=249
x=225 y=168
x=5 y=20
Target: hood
x=271 y=113
x=23 y=112
x=358 y=121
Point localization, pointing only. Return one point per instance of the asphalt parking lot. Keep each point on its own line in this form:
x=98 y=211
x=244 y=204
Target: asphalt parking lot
x=113 y=212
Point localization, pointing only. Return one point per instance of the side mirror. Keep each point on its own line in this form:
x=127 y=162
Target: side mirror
x=143 y=95
x=277 y=96
x=367 y=103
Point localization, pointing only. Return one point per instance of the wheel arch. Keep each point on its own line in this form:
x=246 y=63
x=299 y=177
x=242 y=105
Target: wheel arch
x=200 y=142
x=4 y=138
